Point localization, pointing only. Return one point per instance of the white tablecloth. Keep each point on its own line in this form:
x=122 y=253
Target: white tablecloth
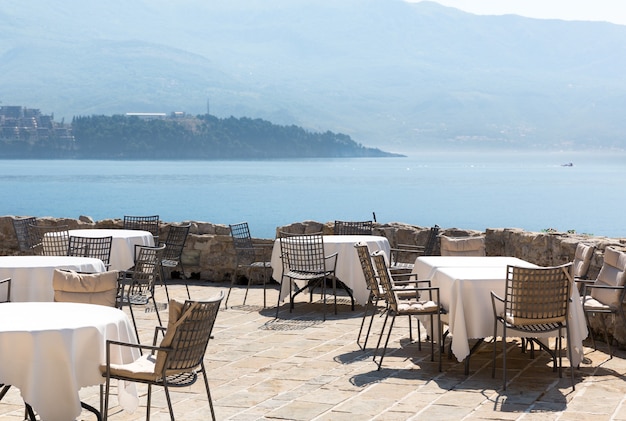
x=31 y=276
x=123 y=246
x=465 y=285
x=348 y=269
x=51 y=350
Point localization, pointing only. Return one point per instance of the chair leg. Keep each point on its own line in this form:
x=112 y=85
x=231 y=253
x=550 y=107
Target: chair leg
x=164 y=283
x=593 y=339
x=380 y=337
x=245 y=297
x=569 y=355
x=148 y=402
x=169 y=400
x=367 y=307
x=184 y=277
x=380 y=363
x=105 y=409
x=265 y=278
x=232 y=283
x=132 y=315
x=503 y=356
x=495 y=348
x=606 y=334
x=208 y=391
x=156 y=309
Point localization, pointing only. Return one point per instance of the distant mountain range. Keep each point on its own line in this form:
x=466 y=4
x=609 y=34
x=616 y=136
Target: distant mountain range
x=390 y=74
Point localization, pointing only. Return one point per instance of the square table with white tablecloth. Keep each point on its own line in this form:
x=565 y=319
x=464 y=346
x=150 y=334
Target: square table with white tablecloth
x=31 y=276
x=465 y=285
x=348 y=269
x=49 y=351
x=123 y=245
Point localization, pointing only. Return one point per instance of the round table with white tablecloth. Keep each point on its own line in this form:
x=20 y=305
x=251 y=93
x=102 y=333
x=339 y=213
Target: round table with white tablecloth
x=31 y=276
x=49 y=351
x=123 y=245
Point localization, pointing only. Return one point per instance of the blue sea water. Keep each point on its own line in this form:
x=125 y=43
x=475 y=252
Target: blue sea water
x=532 y=191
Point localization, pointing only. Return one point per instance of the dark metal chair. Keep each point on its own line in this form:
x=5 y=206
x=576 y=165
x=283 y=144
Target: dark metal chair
x=172 y=255
x=96 y=247
x=137 y=284
x=403 y=287
x=535 y=302
x=143 y=223
x=249 y=258
x=304 y=260
x=47 y=240
x=176 y=361
x=403 y=256
x=20 y=225
x=415 y=301
x=352 y=228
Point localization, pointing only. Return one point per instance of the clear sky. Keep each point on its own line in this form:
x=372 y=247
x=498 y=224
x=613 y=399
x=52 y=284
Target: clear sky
x=599 y=10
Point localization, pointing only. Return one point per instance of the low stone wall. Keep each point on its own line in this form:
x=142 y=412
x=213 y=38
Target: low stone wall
x=209 y=254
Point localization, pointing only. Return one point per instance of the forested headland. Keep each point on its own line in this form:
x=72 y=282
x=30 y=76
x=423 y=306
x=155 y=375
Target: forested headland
x=187 y=137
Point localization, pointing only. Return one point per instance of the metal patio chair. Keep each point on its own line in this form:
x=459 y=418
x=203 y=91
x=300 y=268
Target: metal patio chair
x=172 y=255
x=352 y=228
x=249 y=258
x=176 y=361
x=536 y=301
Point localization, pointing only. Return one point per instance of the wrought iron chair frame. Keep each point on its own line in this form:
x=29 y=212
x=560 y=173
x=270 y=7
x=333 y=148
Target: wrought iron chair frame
x=249 y=258
x=536 y=301
x=172 y=255
x=352 y=228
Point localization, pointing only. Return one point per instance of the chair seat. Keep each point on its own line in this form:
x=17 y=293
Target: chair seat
x=417 y=307
x=306 y=276
x=592 y=305
x=401 y=266
x=143 y=368
x=265 y=265
x=169 y=263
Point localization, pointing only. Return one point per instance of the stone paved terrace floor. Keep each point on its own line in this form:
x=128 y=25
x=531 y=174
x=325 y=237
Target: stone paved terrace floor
x=300 y=368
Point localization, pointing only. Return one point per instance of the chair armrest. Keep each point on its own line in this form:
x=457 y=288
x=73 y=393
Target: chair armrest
x=409 y=247
x=495 y=297
x=157 y=330
x=332 y=257
x=404 y=275
x=418 y=289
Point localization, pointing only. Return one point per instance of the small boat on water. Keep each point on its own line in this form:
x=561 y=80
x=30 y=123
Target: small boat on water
x=569 y=164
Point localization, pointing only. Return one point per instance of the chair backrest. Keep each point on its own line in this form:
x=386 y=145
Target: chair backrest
x=352 y=228
x=145 y=270
x=582 y=260
x=96 y=247
x=187 y=335
x=90 y=288
x=49 y=240
x=20 y=225
x=612 y=273
x=5 y=290
x=302 y=253
x=462 y=246
x=431 y=241
x=175 y=241
x=537 y=295
x=368 y=269
x=143 y=223
x=242 y=242
x=385 y=279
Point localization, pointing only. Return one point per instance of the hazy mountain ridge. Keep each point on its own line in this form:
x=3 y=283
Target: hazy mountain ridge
x=387 y=73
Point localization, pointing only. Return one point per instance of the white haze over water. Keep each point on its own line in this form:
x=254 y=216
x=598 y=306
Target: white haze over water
x=532 y=191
